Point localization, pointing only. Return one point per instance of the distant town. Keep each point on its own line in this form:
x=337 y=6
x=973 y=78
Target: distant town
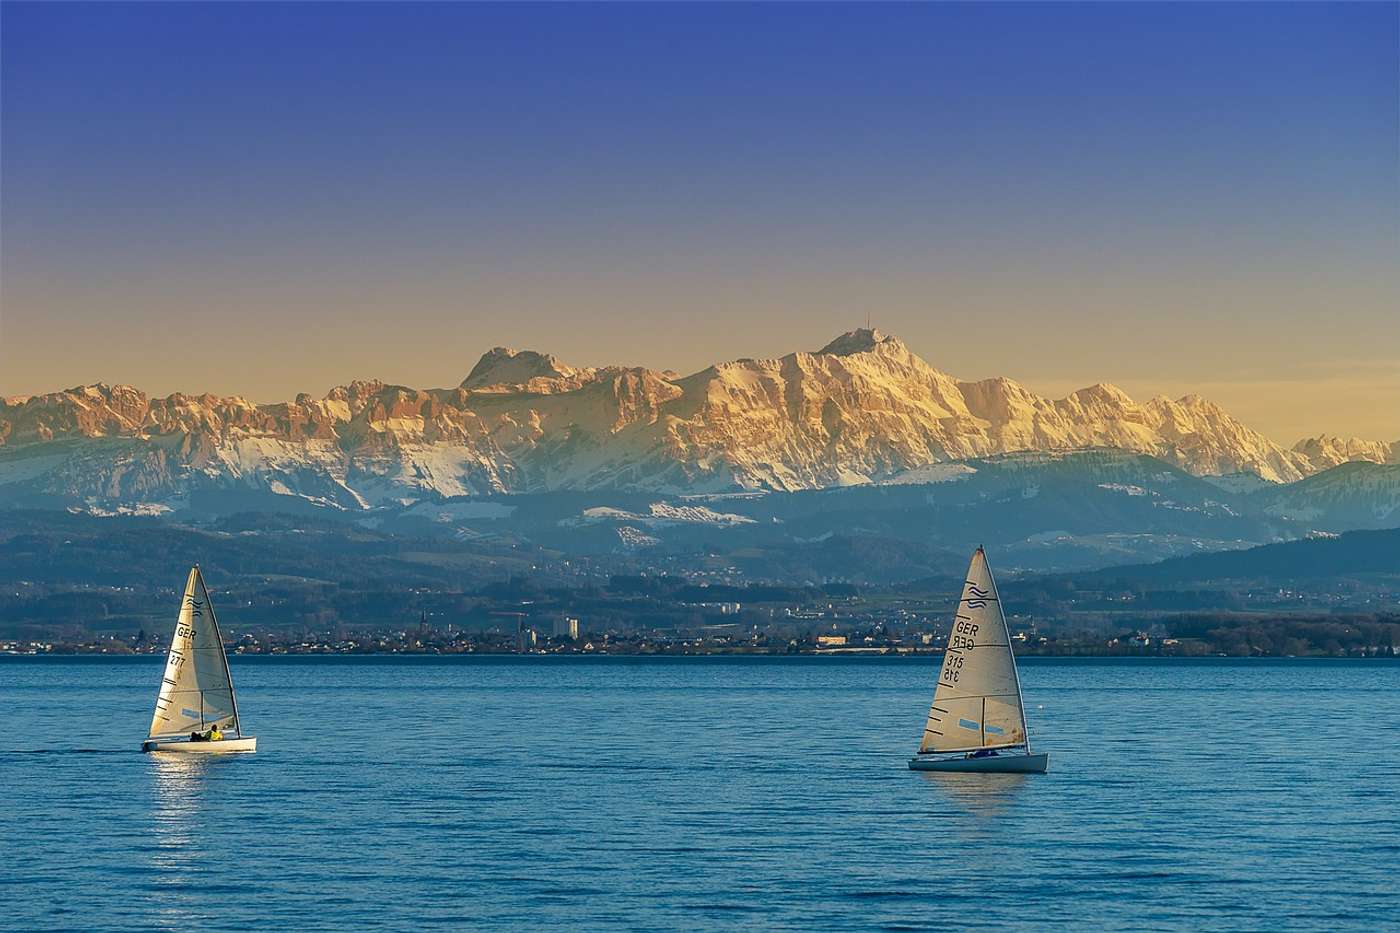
x=840 y=627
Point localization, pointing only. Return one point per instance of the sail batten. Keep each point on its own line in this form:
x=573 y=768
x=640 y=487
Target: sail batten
x=974 y=748
x=196 y=689
x=977 y=703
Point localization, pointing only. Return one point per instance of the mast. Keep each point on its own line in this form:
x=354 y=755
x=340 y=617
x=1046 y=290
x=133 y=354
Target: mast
x=223 y=655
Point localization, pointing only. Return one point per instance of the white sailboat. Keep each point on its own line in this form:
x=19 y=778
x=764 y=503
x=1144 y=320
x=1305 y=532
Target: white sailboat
x=977 y=721
x=196 y=692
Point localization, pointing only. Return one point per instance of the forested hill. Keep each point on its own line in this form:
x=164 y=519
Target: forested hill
x=1345 y=555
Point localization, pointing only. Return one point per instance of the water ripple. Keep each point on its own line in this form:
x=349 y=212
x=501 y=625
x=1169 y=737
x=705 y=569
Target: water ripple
x=701 y=794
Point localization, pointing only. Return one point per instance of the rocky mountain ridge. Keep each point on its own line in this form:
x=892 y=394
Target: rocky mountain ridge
x=863 y=409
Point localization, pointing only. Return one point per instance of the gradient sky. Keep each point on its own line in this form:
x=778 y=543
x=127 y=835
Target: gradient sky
x=265 y=199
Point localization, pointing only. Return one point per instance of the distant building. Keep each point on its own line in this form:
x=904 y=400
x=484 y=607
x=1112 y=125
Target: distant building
x=566 y=627
x=831 y=641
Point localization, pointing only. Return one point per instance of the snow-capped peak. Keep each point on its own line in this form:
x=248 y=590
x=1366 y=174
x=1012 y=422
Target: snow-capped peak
x=503 y=366
x=860 y=340
x=1326 y=451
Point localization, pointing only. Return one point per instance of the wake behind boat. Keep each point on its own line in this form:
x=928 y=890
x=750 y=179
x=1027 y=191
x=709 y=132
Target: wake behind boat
x=977 y=721
x=196 y=700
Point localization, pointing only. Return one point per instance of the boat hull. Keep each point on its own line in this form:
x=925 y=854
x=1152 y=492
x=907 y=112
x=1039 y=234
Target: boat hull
x=186 y=747
x=992 y=764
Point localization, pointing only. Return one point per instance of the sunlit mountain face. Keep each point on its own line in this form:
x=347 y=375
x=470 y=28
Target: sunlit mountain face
x=862 y=410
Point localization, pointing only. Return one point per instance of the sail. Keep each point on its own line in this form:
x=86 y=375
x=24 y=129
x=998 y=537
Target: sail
x=196 y=691
x=978 y=700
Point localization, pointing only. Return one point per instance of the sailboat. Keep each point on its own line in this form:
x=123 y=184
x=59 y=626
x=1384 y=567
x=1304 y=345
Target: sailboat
x=196 y=692
x=977 y=721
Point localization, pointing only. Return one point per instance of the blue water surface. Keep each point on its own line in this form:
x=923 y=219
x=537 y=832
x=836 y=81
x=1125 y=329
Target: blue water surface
x=701 y=793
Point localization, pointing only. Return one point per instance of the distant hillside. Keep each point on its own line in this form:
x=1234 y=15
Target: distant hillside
x=1346 y=555
x=1350 y=496
x=1038 y=512
x=71 y=572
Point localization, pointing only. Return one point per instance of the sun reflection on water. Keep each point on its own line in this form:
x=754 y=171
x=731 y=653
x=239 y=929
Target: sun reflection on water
x=982 y=796
x=180 y=791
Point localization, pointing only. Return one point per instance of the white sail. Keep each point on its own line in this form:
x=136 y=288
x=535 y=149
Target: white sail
x=196 y=691
x=978 y=700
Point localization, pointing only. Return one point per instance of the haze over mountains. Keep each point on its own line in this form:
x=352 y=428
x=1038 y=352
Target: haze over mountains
x=863 y=409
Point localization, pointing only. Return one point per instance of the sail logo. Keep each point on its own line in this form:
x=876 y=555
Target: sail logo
x=977 y=597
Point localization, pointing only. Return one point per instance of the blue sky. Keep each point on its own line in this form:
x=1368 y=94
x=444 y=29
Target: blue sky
x=1171 y=197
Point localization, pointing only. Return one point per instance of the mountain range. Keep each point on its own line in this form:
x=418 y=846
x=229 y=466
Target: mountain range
x=863 y=410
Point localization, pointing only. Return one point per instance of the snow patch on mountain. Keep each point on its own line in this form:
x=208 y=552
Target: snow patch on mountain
x=143 y=509
x=698 y=514
x=635 y=538
x=661 y=514
x=1127 y=488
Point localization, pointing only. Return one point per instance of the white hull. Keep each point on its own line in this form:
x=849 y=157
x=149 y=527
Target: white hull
x=992 y=764
x=186 y=747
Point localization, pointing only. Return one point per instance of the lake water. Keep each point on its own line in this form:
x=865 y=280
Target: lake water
x=706 y=793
